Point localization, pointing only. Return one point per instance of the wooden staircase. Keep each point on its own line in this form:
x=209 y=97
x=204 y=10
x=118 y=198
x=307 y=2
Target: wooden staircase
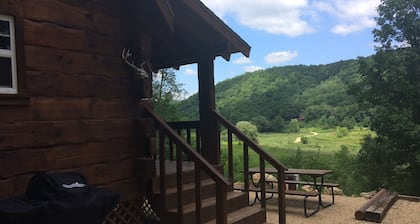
x=237 y=202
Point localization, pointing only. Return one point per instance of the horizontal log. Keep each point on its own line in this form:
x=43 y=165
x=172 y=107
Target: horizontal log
x=8 y=6
x=47 y=109
x=10 y=114
x=61 y=37
x=377 y=210
x=74 y=85
x=58 y=12
x=14 y=186
x=131 y=189
x=107 y=173
x=19 y=162
x=50 y=133
x=70 y=62
x=112 y=19
x=409 y=198
x=361 y=212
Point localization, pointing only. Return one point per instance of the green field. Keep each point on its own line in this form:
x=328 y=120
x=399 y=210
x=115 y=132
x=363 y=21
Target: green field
x=319 y=141
x=322 y=149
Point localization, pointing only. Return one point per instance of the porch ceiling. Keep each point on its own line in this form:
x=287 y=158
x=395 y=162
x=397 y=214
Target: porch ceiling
x=184 y=31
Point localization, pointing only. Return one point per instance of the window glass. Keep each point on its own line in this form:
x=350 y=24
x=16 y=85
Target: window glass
x=8 y=79
x=5 y=73
x=4 y=35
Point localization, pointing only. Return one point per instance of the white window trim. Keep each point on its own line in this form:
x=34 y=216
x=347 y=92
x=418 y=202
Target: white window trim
x=10 y=54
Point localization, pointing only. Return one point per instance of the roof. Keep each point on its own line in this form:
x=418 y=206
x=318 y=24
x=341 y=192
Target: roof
x=185 y=31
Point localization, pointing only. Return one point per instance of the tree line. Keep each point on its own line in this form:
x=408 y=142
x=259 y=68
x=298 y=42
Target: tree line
x=316 y=95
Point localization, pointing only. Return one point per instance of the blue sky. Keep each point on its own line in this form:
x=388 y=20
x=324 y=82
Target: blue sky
x=290 y=32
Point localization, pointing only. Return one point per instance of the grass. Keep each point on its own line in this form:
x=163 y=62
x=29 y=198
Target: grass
x=323 y=149
x=319 y=141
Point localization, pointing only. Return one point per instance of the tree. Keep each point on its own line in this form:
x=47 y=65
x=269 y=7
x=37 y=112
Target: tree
x=248 y=129
x=262 y=123
x=166 y=92
x=390 y=92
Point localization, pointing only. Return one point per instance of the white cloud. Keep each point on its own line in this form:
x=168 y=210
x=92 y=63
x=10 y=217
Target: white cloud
x=190 y=71
x=242 y=60
x=273 y=16
x=298 y=17
x=351 y=16
x=253 y=68
x=280 y=57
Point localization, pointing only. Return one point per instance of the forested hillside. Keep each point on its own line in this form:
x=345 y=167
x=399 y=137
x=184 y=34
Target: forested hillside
x=317 y=95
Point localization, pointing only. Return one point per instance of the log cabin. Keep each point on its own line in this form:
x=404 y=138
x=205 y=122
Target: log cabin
x=69 y=102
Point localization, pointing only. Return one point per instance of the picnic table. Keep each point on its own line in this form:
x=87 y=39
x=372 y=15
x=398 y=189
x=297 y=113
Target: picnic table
x=316 y=177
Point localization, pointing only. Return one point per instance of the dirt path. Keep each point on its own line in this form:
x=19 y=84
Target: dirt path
x=299 y=139
x=342 y=212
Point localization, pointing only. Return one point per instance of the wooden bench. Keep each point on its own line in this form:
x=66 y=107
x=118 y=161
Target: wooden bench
x=326 y=185
x=273 y=191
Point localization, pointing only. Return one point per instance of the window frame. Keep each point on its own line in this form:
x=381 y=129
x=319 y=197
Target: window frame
x=5 y=53
x=22 y=97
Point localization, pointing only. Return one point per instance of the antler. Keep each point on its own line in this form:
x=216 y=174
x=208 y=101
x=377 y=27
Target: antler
x=139 y=70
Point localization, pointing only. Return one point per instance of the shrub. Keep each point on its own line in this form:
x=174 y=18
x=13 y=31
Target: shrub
x=304 y=139
x=342 y=132
x=248 y=129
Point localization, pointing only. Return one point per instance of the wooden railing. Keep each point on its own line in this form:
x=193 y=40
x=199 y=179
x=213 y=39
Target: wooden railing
x=182 y=148
x=263 y=158
x=190 y=129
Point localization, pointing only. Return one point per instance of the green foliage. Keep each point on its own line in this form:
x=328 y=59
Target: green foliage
x=398 y=24
x=262 y=123
x=165 y=92
x=304 y=139
x=248 y=129
x=344 y=171
x=279 y=124
x=293 y=126
x=270 y=98
x=389 y=91
x=321 y=152
x=342 y=132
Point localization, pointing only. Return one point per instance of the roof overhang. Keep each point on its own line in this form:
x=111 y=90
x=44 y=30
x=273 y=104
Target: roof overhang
x=186 y=31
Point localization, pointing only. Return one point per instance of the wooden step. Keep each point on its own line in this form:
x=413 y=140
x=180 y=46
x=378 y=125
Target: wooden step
x=188 y=174
x=246 y=215
x=235 y=201
x=208 y=188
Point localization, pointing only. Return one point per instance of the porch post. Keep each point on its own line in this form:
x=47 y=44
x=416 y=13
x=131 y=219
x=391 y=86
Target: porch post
x=209 y=129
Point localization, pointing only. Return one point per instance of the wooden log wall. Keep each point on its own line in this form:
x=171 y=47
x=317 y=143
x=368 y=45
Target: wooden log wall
x=82 y=110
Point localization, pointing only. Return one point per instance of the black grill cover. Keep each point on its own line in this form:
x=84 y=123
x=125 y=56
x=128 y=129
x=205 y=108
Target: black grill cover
x=58 y=198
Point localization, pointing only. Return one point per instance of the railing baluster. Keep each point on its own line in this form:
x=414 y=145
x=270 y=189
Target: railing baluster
x=171 y=150
x=197 y=140
x=197 y=176
x=230 y=154
x=221 y=206
x=262 y=182
x=282 y=196
x=162 y=169
x=180 y=185
x=246 y=170
x=189 y=135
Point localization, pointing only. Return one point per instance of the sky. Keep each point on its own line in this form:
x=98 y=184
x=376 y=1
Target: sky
x=290 y=32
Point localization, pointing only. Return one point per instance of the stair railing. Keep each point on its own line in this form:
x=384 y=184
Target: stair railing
x=201 y=164
x=190 y=130
x=263 y=158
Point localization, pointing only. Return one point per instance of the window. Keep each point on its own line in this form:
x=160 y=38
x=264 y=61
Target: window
x=8 y=71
